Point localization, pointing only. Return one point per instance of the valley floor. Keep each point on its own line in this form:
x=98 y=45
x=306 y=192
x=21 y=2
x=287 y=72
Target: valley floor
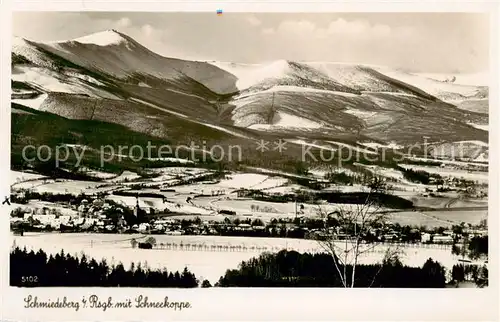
x=205 y=264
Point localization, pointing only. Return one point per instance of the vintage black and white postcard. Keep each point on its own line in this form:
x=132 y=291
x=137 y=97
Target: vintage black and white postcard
x=178 y=164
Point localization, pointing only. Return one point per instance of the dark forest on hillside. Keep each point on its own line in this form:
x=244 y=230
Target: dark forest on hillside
x=292 y=269
x=30 y=269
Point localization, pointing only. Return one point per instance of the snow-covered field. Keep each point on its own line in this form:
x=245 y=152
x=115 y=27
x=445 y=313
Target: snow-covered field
x=209 y=265
x=233 y=182
x=125 y=176
x=18 y=177
x=435 y=219
x=481 y=177
x=158 y=204
x=33 y=205
x=70 y=186
x=451 y=162
x=243 y=180
x=268 y=210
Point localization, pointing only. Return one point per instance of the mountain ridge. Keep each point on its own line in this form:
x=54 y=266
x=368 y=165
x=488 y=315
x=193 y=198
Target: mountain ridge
x=284 y=98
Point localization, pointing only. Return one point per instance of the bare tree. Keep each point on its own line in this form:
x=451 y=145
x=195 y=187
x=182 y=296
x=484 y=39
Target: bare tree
x=151 y=240
x=345 y=230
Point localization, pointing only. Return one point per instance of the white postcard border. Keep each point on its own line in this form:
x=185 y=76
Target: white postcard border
x=262 y=304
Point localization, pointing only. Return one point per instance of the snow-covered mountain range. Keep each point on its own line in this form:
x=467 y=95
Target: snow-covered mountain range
x=110 y=77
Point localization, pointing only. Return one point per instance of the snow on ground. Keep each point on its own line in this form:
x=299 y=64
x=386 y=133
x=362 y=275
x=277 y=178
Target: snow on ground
x=270 y=183
x=73 y=187
x=178 y=171
x=50 y=81
x=33 y=103
x=344 y=188
x=287 y=120
x=100 y=174
x=270 y=171
x=480 y=126
x=384 y=172
x=359 y=113
x=158 y=204
x=314 y=145
x=243 y=180
x=483 y=157
x=179 y=160
x=32 y=205
x=94 y=173
x=268 y=210
x=454 y=162
x=184 y=116
x=188 y=209
x=103 y=38
x=209 y=265
x=126 y=175
x=435 y=219
x=43 y=79
x=157 y=107
x=475 y=79
x=84 y=77
x=290 y=88
x=480 y=176
x=31 y=184
x=351 y=147
x=442 y=90
x=220 y=128
x=476 y=142
x=130 y=202
x=249 y=75
x=17 y=176
x=375 y=145
x=288 y=189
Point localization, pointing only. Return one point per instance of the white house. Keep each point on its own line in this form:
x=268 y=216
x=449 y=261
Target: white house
x=425 y=237
x=143 y=227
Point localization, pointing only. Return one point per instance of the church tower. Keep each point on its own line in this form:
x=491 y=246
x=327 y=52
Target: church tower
x=137 y=208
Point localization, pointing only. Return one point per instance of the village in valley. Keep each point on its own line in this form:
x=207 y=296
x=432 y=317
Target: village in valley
x=240 y=204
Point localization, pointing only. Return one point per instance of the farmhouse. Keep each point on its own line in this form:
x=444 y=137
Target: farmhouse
x=441 y=239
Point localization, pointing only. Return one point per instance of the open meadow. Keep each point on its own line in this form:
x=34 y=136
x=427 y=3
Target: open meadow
x=205 y=263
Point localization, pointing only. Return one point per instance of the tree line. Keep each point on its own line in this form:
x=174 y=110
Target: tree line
x=30 y=269
x=293 y=269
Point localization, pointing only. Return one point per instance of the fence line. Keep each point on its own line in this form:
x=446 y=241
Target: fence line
x=372 y=247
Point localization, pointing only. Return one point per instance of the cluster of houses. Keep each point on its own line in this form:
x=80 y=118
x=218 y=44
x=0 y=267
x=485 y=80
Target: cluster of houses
x=95 y=215
x=83 y=216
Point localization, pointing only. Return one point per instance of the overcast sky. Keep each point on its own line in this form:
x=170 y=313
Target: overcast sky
x=424 y=42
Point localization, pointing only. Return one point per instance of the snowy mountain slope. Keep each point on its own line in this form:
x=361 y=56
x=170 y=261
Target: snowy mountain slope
x=471 y=79
x=364 y=78
x=399 y=120
x=442 y=90
x=120 y=56
x=46 y=80
x=253 y=78
x=109 y=77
